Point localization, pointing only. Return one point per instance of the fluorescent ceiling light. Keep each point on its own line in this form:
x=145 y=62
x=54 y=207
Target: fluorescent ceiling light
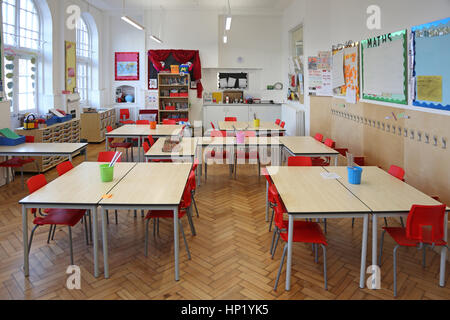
x=228 y=23
x=133 y=22
x=156 y=38
x=225 y=39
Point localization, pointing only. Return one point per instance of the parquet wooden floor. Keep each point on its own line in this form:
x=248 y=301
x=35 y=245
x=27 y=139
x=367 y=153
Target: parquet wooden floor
x=230 y=254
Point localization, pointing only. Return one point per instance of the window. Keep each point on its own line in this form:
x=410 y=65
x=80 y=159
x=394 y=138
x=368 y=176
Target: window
x=297 y=42
x=22 y=40
x=83 y=61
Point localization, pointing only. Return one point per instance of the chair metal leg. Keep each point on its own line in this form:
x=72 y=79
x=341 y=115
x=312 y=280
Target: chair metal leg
x=107 y=216
x=21 y=178
x=53 y=233
x=86 y=230
x=271 y=219
x=401 y=221
x=142 y=213
x=115 y=213
x=325 y=225
x=276 y=243
x=195 y=205
x=275 y=230
x=191 y=222
x=157 y=226
x=184 y=238
x=31 y=238
x=424 y=256
x=316 y=249
x=353 y=222
x=70 y=245
x=206 y=170
x=146 y=237
x=135 y=213
x=325 y=266
x=395 y=270
x=49 y=233
x=154 y=227
x=90 y=226
x=132 y=155
x=385 y=222
x=381 y=247
x=281 y=267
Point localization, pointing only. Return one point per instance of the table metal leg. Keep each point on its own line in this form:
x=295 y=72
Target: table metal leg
x=70 y=157
x=139 y=148
x=26 y=266
x=443 y=254
x=289 y=257
x=374 y=240
x=364 y=251
x=95 y=239
x=267 y=201
x=176 y=243
x=336 y=161
x=105 y=243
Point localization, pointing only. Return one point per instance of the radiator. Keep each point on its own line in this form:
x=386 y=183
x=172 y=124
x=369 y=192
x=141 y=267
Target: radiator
x=295 y=120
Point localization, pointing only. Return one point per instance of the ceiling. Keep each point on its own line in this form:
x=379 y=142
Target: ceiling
x=219 y=5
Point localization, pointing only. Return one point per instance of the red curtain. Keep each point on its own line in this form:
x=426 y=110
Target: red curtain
x=182 y=56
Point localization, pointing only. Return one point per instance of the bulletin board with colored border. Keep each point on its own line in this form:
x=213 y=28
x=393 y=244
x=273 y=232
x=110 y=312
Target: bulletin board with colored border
x=126 y=66
x=384 y=62
x=71 y=66
x=431 y=61
x=351 y=71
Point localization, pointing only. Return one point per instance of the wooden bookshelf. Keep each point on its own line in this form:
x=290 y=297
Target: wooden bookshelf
x=168 y=85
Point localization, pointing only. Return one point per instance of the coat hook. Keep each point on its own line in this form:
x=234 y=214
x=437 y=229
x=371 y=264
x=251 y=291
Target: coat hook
x=435 y=141
x=393 y=129
x=419 y=136
x=405 y=132
x=411 y=134
x=427 y=138
x=444 y=143
x=388 y=128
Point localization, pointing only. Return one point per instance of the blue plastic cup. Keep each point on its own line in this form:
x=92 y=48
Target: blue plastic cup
x=354 y=175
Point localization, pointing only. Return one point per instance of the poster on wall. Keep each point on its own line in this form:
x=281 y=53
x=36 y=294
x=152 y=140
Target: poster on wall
x=127 y=66
x=319 y=71
x=351 y=74
x=151 y=99
x=385 y=68
x=71 y=66
x=338 y=69
x=431 y=65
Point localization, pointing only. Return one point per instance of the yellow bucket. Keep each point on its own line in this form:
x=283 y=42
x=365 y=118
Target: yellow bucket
x=256 y=123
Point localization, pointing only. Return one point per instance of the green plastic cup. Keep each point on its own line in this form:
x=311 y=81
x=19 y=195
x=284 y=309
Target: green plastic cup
x=106 y=173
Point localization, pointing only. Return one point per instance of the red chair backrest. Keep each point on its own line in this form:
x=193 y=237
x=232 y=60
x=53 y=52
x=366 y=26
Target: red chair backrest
x=169 y=121
x=219 y=134
x=29 y=139
x=280 y=209
x=283 y=124
x=64 y=167
x=191 y=180
x=359 y=161
x=146 y=147
x=319 y=137
x=36 y=182
x=212 y=126
x=142 y=122
x=266 y=175
x=109 y=129
x=277 y=122
x=124 y=114
x=397 y=172
x=330 y=143
x=299 y=162
x=230 y=119
x=249 y=134
x=195 y=165
x=426 y=223
x=151 y=140
x=107 y=156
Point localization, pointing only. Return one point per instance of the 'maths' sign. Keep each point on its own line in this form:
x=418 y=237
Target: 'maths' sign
x=376 y=41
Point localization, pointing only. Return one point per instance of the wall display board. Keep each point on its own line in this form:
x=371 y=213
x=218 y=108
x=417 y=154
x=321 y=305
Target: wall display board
x=319 y=71
x=71 y=66
x=431 y=65
x=385 y=68
x=126 y=66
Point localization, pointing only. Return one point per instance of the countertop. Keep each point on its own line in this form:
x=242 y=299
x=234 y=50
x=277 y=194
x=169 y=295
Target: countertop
x=241 y=104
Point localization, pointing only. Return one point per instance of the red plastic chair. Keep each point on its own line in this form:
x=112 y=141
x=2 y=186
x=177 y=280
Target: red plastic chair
x=54 y=217
x=212 y=126
x=18 y=162
x=319 y=162
x=283 y=124
x=319 y=137
x=184 y=208
x=64 y=167
x=124 y=115
x=424 y=228
x=342 y=151
x=277 y=122
x=142 y=122
x=230 y=119
x=299 y=161
x=397 y=172
x=216 y=153
x=169 y=122
x=304 y=232
x=107 y=156
x=272 y=194
x=147 y=147
x=247 y=154
x=115 y=145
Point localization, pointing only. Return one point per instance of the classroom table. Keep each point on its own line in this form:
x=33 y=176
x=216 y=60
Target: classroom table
x=264 y=127
x=79 y=188
x=306 y=194
x=185 y=150
x=43 y=150
x=308 y=147
x=148 y=186
x=387 y=196
x=140 y=132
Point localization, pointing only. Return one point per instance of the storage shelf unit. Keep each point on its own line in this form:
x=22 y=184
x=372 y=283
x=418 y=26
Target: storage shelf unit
x=93 y=124
x=180 y=83
x=67 y=132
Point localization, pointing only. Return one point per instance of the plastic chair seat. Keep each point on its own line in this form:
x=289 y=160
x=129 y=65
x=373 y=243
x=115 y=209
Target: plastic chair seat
x=125 y=145
x=319 y=162
x=307 y=232
x=61 y=217
x=399 y=236
x=127 y=122
x=247 y=155
x=152 y=214
x=161 y=160
x=272 y=194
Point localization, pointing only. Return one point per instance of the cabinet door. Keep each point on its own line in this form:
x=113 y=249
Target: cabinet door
x=265 y=113
x=212 y=114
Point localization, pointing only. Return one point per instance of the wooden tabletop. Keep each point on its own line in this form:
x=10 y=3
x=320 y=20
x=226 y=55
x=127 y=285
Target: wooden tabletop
x=144 y=130
x=306 y=146
x=382 y=192
x=151 y=184
x=231 y=141
x=186 y=148
x=248 y=126
x=81 y=185
x=303 y=190
x=43 y=148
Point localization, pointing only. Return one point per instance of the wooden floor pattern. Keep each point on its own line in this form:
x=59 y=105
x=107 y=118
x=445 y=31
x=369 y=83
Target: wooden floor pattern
x=230 y=254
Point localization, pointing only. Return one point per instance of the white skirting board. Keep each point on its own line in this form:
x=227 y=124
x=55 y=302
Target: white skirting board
x=295 y=120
